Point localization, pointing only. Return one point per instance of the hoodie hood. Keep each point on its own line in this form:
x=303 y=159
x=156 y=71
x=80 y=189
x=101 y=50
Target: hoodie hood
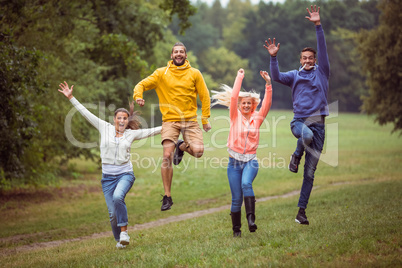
x=170 y=65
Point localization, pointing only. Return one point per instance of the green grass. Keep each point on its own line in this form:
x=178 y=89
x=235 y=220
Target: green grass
x=348 y=228
x=352 y=224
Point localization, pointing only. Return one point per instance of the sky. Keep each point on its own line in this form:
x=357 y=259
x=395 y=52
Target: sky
x=224 y=2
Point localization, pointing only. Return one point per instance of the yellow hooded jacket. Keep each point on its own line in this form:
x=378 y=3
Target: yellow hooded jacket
x=177 y=88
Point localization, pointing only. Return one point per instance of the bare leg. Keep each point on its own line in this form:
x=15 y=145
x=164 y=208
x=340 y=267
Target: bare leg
x=167 y=168
x=196 y=150
x=123 y=228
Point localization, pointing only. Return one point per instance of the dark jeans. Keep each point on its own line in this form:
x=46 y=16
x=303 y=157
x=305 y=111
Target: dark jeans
x=311 y=136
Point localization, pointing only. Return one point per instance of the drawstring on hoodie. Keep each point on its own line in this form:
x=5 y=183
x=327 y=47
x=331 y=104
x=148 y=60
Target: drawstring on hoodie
x=301 y=68
x=178 y=67
x=167 y=68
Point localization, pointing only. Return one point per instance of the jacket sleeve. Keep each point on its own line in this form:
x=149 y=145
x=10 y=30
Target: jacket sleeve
x=233 y=110
x=266 y=105
x=203 y=93
x=277 y=76
x=148 y=83
x=94 y=120
x=322 y=54
x=146 y=132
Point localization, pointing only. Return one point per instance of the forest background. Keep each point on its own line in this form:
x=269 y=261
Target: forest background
x=105 y=47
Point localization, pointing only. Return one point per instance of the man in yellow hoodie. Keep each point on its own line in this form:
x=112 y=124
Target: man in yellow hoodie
x=177 y=86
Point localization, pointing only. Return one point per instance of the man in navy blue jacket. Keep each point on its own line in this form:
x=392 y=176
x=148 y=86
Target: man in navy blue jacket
x=309 y=87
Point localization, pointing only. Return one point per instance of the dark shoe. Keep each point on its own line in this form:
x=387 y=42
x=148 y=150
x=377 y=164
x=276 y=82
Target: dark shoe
x=236 y=223
x=249 y=203
x=294 y=163
x=167 y=203
x=178 y=154
x=301 y=217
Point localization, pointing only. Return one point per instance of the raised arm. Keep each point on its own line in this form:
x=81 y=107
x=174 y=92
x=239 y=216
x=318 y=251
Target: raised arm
x=266 y=103
x=66 y=90
x=271 y=47
x=94 y=120
x=285 y=78
x=322 y=54
x=314 y=15
x=233 y=110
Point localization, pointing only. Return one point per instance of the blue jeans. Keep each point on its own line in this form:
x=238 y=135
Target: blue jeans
x=115 y=188
x=241 y=176
x=311 y=138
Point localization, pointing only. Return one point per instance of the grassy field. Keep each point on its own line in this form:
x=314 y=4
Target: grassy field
x=354 y=211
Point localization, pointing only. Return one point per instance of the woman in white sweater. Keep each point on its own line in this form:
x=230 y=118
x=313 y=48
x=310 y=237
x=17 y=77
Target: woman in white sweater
x=117 y=169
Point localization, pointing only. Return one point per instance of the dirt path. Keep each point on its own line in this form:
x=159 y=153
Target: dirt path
x=136 y=227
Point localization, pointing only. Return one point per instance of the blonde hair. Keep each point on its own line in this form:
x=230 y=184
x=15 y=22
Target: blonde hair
x=223 y=97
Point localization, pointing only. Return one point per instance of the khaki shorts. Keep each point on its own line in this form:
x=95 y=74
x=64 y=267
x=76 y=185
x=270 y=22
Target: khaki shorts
x=190 y=130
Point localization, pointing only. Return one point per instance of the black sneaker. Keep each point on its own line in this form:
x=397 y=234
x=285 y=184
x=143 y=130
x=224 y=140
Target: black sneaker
x=294 y=163
x=301 y=217
x=167 y=203
x=178 y=154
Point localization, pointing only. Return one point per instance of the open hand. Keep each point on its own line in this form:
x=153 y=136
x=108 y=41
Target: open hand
x=314 y=15
x=68 y=92
x=271 y=47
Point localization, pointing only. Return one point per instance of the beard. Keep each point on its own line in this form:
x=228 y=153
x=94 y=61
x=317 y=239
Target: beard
x=179 y=62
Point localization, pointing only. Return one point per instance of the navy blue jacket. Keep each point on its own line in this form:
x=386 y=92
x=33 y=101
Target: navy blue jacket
x=309 y=88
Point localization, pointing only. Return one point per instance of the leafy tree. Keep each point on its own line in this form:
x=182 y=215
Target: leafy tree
x=347 y=82
x=222 y=65
x=216 y=17
x=19 y=84
x=101 y=46
x=286 y=23
x=182 y=8
x=381 y=53
x=201 y=35
x=235 y=23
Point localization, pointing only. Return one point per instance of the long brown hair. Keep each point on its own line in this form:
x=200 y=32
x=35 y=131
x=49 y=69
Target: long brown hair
x=133 y=120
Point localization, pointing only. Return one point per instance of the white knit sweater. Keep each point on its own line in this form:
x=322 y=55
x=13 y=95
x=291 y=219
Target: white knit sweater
x=110 y=151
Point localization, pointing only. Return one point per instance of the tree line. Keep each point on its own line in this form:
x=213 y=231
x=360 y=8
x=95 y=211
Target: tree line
x=105 y=47
x=225 y=39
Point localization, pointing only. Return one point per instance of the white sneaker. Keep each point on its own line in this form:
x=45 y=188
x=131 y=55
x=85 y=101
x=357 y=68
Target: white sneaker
x=124 y=238
x=119 y=246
